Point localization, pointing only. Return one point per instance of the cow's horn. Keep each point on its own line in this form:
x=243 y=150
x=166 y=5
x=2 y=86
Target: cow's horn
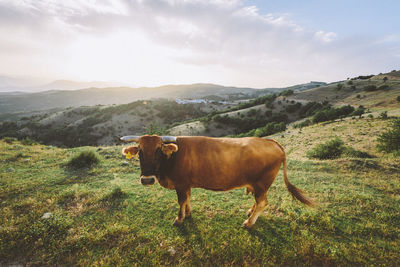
x=130 y=138
x=168 y=139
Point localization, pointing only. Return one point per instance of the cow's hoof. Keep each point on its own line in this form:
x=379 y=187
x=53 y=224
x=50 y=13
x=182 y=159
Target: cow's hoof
x=177 y=222
x=247 y=224
x=249 y=212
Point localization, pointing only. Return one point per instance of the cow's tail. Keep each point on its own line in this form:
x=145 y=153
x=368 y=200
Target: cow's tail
x=294 y=191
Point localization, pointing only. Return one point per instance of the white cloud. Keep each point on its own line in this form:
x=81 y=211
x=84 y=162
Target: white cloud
x=150 y=42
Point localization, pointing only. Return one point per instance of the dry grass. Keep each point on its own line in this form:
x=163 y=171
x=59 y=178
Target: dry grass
x=360 y=134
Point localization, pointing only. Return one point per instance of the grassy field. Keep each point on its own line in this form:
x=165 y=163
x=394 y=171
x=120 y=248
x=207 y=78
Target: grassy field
x=103 y=216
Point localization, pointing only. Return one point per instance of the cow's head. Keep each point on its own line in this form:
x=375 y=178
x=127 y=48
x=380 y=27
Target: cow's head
x=152 y=150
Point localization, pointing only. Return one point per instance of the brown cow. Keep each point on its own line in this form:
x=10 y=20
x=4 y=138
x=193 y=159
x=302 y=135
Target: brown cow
x=219 y=164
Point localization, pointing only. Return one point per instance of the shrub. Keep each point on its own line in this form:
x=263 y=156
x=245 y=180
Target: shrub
x=398 y=98
x=354 y=153
x=287 y=92
x=330 y=150
x=270 y=128
x=358 y=112
x=303 y=124
x=370 y=88
x=339 y=86
x=293 y=108
x=85 y=159
x=28 y=142
x=389 y=141
x=9 y=140
x=383 y=87
x=383 y=115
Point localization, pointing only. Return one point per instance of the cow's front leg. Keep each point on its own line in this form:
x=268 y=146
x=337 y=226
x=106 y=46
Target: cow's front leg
x=188 y=208
x=183 y=197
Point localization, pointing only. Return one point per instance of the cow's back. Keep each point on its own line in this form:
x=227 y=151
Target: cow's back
x=223 y=163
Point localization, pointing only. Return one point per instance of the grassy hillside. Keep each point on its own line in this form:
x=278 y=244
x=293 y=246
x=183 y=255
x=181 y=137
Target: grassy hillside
x=374 y=94
x=356 y=92
x=102 y=124
x=103 y=216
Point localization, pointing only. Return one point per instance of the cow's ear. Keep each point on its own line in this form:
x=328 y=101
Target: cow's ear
x=168 y=149
x=130 y=151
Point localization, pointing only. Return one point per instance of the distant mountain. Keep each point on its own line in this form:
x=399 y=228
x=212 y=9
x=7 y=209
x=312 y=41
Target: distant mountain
x=121 y=95
x=74 y=85
x=9 y=84
x=30 y=85
x=112 y=95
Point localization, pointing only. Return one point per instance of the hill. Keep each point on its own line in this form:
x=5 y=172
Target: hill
x=28 y=84
x=113 y=95
x=101 y=124
x=56 y=215
x=372 y=93
x=26 y=102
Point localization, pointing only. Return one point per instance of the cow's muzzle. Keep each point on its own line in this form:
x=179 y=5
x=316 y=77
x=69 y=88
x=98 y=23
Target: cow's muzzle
x=147 y=180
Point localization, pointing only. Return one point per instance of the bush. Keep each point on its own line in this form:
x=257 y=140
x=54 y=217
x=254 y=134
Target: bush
x=303 y=124
x=287 y=92
x=85 y=159
x=383 y=115
x=354 y=153
x=383 y=87
x=293 y=108
x=28 y=142
x=270 y=128
x=398 y=98
x=358 y=112
x=9 y=140
x=370 y=88
x=330 y=150
x=389 y=141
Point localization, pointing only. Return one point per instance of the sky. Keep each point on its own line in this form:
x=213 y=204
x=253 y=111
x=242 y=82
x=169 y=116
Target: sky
x=246 y=43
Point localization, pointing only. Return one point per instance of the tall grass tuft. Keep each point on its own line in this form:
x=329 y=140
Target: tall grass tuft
x=85 y=159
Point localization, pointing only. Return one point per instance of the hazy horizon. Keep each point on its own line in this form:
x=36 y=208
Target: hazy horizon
x=257 y=44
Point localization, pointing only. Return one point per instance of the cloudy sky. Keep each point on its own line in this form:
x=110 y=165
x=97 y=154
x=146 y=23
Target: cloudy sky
x=254 y=43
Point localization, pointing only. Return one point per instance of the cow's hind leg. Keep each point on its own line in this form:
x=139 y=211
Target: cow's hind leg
x=250 y=211
x=261 y=203
x=183 y=199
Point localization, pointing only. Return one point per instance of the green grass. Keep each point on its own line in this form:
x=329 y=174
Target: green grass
x=103 y=216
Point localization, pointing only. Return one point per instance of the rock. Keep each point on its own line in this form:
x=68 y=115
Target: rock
x=46 y=215
x=11 y=169
x=26 y=160
x=107 y=156
x=125 y=162
x=172 y=251
x=99 y=149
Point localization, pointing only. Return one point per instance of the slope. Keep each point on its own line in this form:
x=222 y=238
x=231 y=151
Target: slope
x=54 y=215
